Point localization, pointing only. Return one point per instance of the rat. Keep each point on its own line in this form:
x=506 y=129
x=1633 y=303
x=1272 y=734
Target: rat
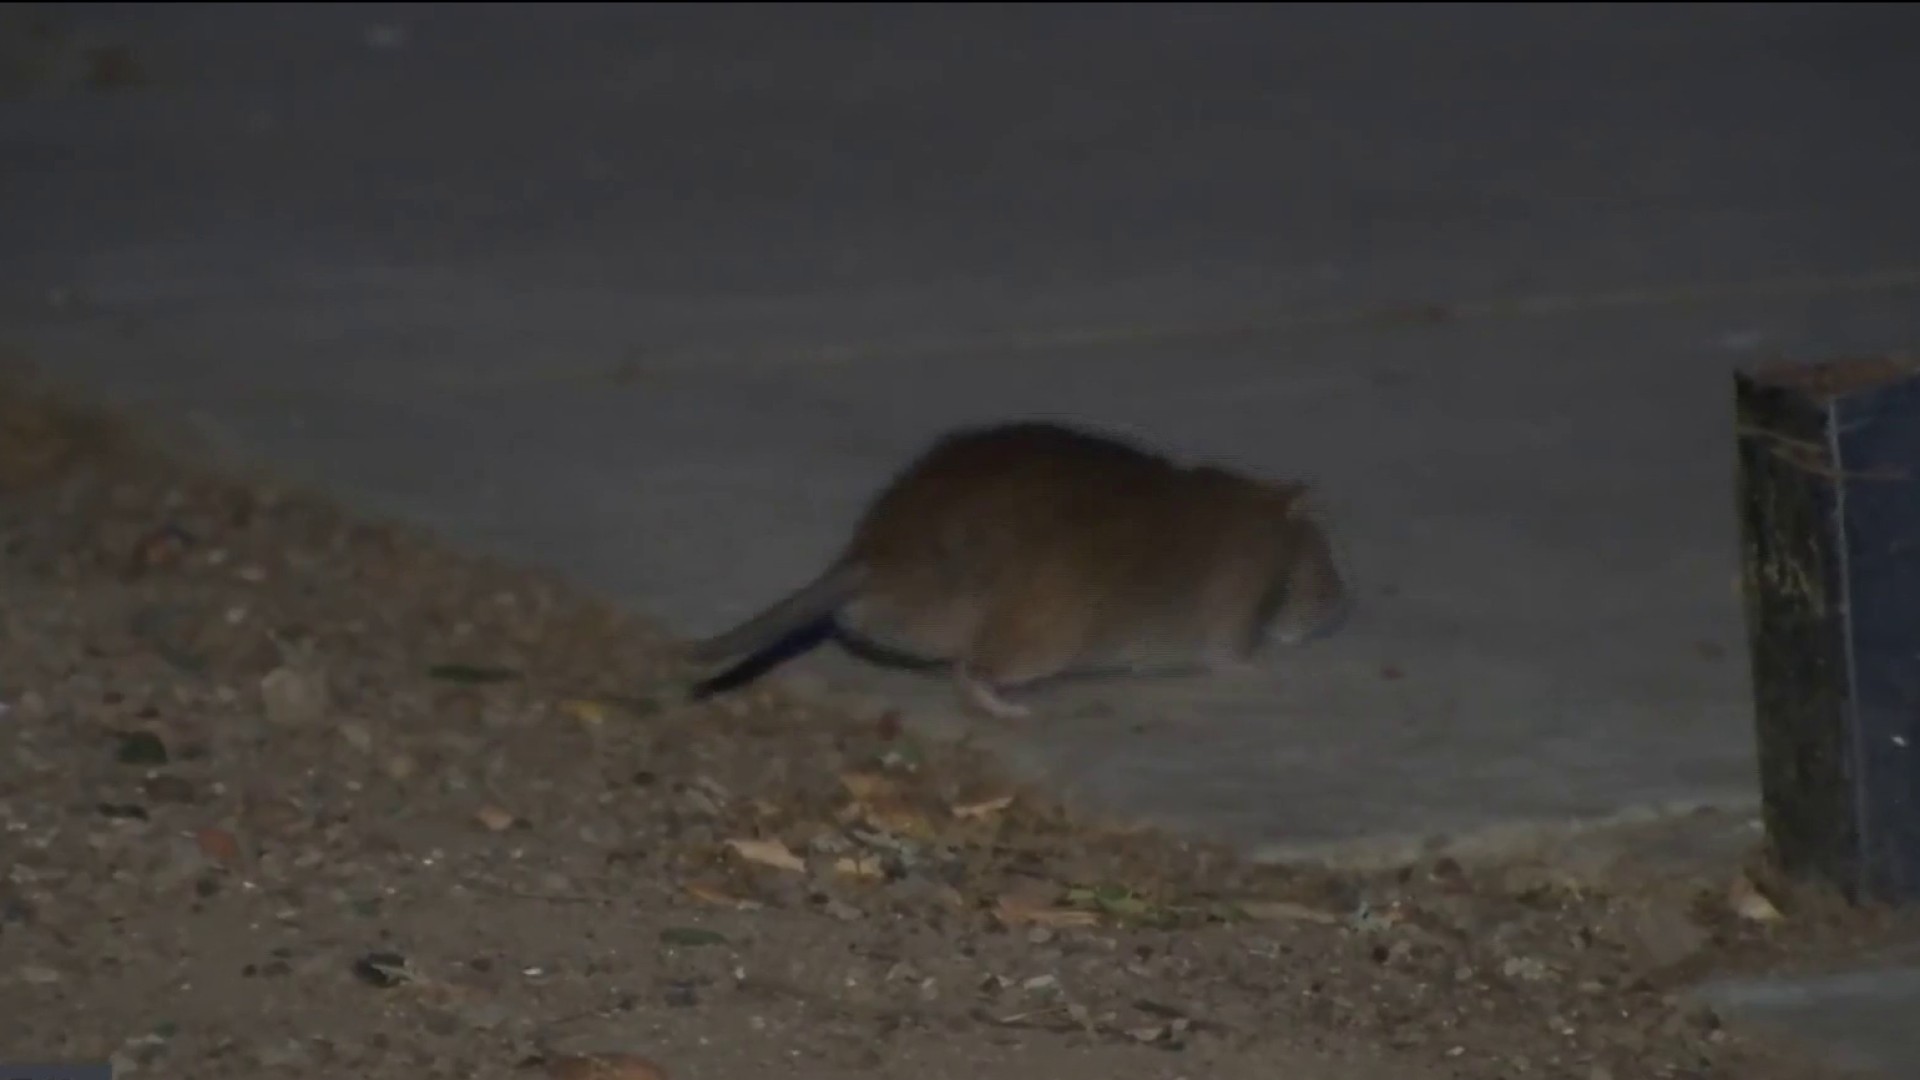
x=1017 y=552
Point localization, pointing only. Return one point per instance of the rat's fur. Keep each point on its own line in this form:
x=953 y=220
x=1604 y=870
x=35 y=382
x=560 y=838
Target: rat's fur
x=1022 y=551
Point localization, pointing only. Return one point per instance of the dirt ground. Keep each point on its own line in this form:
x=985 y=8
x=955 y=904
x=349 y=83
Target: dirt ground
x=286 y=793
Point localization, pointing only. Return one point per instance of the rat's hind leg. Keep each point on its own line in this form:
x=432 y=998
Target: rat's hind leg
x=1014 y=646
x=980 y=694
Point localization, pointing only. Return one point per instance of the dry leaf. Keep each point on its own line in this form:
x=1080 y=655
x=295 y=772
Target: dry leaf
x=1118 y=901
x=983 y=808
x=1015 y=909
x=1748 y=902
x=1284 y=911
x=603 y=1067
x=864 y=867
x=866 y=787
x=494 y=819
x=898 y=817
x=589 y=713
x=218 y=845
x=711 y=894
x=768 y=853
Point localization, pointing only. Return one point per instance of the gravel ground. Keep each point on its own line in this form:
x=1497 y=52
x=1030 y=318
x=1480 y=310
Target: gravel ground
x=288 y=793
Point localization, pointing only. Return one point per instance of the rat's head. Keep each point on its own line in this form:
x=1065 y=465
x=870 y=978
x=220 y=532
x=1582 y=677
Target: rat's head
x=1310 y=597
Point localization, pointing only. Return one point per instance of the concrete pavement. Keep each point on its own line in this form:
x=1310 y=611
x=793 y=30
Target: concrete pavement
x=655 y=295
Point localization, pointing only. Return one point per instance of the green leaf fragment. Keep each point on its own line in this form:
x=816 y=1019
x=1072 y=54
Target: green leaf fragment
x=472 y=673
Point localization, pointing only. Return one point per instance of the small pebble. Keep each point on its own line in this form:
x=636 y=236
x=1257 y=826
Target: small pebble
x=494 y=818
x=293 y=698
x=290 y=1054
x=841 y=910
x=170 y=789
x=357 y=735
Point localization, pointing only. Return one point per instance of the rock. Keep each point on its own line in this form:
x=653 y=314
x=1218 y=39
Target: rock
x=1042 y=984
x=141 y=748
x=294 y=697
x=1662 y=936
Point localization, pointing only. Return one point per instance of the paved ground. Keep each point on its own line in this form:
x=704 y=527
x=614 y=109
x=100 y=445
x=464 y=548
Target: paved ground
x=1861 y=1020
x=655 y=296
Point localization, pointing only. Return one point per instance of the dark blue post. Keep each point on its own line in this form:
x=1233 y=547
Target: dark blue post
x=1829 y=497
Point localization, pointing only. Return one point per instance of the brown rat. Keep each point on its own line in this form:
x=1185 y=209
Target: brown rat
x=1022 y=551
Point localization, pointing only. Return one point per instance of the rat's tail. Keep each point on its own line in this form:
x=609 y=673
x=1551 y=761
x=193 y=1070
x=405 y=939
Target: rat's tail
x=807 y=605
